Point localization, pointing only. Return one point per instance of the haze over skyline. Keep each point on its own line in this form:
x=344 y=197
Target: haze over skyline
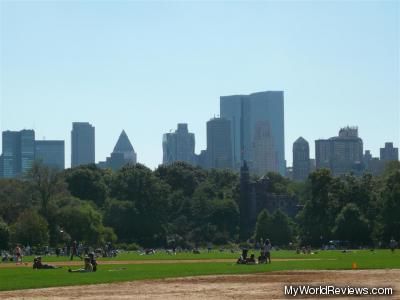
x=144 y=67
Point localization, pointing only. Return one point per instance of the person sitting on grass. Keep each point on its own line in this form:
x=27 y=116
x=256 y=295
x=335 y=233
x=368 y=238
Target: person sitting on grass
x=251 y=260
x=93 y=261
x=243 y=258
x=88 y=267
x=37 y=264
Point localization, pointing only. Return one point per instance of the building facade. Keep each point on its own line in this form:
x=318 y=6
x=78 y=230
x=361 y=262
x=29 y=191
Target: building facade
x=82 y=144
x=301 y=159
x=51 y=153
x=18 y=152
x=389 y=153
x=219 y=144
x=179 y=146
x=341 y=154
x=265 y=158
x=245 y=113
x=122 y=154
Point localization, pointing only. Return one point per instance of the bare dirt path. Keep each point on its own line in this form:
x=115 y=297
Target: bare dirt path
x=145 y=261
x=253 y=286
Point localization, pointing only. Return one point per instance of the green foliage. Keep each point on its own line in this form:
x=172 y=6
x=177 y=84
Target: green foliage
x=4 y=235
x=83 y=223
x=88 y=183
x=30 y=229
x=262 y=225
x=351 y=225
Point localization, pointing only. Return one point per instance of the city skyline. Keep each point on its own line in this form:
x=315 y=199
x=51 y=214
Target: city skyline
x=113 y=74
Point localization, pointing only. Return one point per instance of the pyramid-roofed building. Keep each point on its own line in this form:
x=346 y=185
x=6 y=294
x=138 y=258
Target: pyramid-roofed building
x=122 y=154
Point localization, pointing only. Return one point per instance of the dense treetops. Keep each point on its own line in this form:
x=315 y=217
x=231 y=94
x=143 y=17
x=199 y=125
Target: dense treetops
x=182 y=205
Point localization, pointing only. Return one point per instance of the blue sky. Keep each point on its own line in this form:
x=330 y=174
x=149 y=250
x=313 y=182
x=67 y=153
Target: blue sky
x=145 y=66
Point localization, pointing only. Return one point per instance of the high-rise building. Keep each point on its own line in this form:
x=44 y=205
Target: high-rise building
x=82 y=144
x=301 y=159
x=219 y=144
x=122 y=154
x=341 y=154
x=264 y=153
x=245 y=113
x=389 y=152
x=51 y=153
x=179 y=146
x=18 y=152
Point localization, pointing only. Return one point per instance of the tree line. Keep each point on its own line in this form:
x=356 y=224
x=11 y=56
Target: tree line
x=186 y=206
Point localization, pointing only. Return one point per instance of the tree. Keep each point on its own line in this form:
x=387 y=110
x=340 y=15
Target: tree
x=121 y=216
x=4 y=235
x=316 y=218
x=82 y=222
x=262 y=225
x=351 y=225
x=390 y=216
x=280 y=229
x=88 y=183
x=30 y=229
x=47 y=183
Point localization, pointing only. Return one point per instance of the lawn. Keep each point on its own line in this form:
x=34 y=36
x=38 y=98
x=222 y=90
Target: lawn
x=23 y=277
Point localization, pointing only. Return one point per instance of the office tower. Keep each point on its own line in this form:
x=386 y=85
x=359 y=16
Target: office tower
x=18 y=152
x=82 y=144
x=301 y=159
x=1 y=166
x=122 y=154
x=245 y=113
x=51 y=153
x=264 y=153
x=219 y=144
x=389 y=152
x=179 y=145
x=341 y=154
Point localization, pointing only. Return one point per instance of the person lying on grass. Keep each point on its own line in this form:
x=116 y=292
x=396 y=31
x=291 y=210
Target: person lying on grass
x=37 y=264
x=88 y=267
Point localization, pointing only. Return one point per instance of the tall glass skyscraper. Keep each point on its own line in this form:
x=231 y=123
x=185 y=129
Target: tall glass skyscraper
x=247 y=113
x=51 y=153
x=219 y=144
x=82 y=144
x=18 y=150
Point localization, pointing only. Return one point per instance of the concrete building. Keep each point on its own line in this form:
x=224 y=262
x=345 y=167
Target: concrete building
x=18 y=152
x=219 y=144
x=82 y=144
x=122 y=154
x=301 y=159
x=341 y=154
x=51 y=153
x=389 y=153
x=265 y=158
x=245 y=113
x=179 y=146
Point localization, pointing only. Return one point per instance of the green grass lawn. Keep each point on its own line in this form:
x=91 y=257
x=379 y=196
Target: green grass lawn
x=23 y=278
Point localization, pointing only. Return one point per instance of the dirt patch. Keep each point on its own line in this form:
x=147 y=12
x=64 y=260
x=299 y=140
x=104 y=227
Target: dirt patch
x=252 y=286
x=145 y=261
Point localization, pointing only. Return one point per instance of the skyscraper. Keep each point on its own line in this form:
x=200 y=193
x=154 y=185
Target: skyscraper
x=389 y=152
x=301 y=159
x=82 y=144
x=122 y=154
x=264 y=153
x=179 y=145
x=18 y=152
x=219 y=144
x=51 y=153
x=341 y=154
x=245 y=113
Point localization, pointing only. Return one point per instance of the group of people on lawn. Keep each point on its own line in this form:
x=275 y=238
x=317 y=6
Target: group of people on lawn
x=264 y=258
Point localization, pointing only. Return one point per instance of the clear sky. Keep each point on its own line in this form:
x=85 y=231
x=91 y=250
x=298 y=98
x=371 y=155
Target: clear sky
x=145 y=66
